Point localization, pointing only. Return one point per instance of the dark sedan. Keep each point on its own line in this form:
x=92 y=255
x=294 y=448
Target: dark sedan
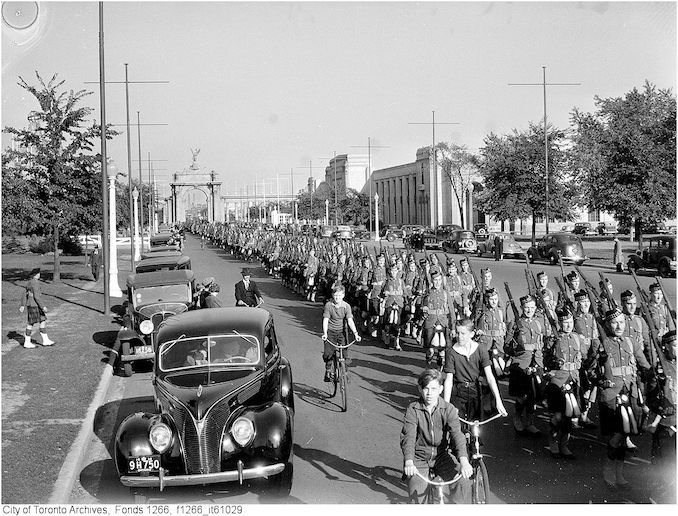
x=224 y=406
x=549 y=247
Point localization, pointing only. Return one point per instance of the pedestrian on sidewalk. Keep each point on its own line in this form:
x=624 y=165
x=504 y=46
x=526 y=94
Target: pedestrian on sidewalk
x=95 y=262
x=618 y=257
x=36 y=310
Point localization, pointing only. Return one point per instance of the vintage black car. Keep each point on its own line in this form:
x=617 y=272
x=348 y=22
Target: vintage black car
x=550 y=246
x=391 y=231
x=224 y=406
x=164 y=239
x=510 y=246
x=152 y=297
x=424 y=238
x=163 y=249
x=163 y=263
x=659 y=256
x=162 y=253
x=460 y=241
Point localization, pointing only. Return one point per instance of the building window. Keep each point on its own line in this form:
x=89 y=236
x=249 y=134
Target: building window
x=594 y=216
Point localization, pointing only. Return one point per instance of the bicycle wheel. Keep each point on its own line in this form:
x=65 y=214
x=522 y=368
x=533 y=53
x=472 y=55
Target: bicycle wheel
x=343 y=386
x=335 y=381
x=481 y=484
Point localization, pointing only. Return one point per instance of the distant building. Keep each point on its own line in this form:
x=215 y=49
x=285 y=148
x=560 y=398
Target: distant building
x=351 y=171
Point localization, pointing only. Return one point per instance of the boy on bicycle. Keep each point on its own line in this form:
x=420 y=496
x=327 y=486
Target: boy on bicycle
x=432 y=442
x=336 y=313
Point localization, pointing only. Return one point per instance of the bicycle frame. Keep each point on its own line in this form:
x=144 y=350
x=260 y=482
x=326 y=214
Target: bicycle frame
x=481 y=483
x=474 y=429
x=438 y=484
x=340 y=373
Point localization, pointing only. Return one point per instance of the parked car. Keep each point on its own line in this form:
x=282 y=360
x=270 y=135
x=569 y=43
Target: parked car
x=659 y=256
x=327 y=231
x=163 y=239
x=423 y=238
x=567 y=245
x=460 y=241
x=606 y=228
x=390 y=232
x=164 y=249
x=344 y=232
x=654 y=228
x=155 y=253
x=224 y=406
x=444 y=231
x=510 y=247
x=567 y=228
x=584 y=229
x=408 y=229
x=152 y=297
x=170 y=262
x=481 y=231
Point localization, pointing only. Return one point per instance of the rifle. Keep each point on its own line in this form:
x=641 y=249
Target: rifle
x=561 y=287
x=667 y=300
x=591 y=289
x=608 y=294
x=534 y=291
x=516 y=313
x=479 y=288
x=655 y=342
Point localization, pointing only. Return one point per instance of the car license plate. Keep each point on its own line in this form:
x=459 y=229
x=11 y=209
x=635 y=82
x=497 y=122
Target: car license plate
x=140 y=350
x=150 y=463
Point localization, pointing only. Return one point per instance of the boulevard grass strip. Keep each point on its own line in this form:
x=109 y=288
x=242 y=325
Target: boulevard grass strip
x=46 y=391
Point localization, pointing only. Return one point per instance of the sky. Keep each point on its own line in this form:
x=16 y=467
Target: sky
x=264 y=88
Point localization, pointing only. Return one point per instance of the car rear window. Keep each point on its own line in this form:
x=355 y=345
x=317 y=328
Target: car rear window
x=221 y=350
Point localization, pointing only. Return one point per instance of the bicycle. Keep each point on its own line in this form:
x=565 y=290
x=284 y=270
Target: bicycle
x=480 y=491
x=439 y=484
x=341 y=379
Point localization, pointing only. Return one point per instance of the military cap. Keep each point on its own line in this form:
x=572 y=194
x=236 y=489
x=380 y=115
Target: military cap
x=540 y=274
x=491 y=292
x=214 y=287
x=564 y=314
x=486 y=271
x=34 y=271
x=245 y=272
x=611 y=315
x=573 y=275
x=655 y=286
x=581 y=294
x=435 y=274
x=422 y=261
x=463 y=260
x=527 y=299
x=627 y=294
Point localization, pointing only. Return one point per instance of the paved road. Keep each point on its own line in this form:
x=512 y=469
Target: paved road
x=354 y=457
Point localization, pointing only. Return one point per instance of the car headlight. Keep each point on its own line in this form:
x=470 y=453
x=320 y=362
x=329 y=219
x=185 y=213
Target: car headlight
x=160 y=437
x=146 y=327
x=242 y=431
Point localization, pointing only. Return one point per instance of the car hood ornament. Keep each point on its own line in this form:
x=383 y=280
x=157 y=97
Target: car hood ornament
x=199 y=393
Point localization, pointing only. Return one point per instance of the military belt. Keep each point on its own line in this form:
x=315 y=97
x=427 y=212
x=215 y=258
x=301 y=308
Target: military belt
x=569 y=366
x=622 y=370
x=529 y=347
x=437 y=312
x=494 y=333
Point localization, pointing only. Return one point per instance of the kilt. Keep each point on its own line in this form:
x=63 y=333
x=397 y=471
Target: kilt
x=520 y=384
x=555 y=398
x=610 y=422
x=35 y=315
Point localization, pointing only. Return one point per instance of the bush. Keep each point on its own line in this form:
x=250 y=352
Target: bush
x=40 y=244
x=14 y=245
x=70 y=245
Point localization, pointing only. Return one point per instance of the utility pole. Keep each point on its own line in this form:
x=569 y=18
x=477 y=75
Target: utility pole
x=151 y=184
x=127 y=82
x=369 y=172
x=543 y=84
x=104 y=162
x=436 y=186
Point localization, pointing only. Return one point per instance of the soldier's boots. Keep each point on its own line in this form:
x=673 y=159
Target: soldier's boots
x=518 y=423
x=27 y=342
x=629 y=444
x=553 y=444
x=46 y=341
x=531 y=430
x=563 y=441
x=618 y=476
x=609 y=472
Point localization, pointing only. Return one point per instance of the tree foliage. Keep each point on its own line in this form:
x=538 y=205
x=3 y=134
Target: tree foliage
x=512 y=168
x=54 y=157
x=460 y=167
x=625 y=154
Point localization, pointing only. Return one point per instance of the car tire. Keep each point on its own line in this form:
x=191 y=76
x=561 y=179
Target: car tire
x=391 y=237
x=553 y=259
x=664 y=269
x=632 y=266
x=127 y=370
x=281 y=484
x=530 y=256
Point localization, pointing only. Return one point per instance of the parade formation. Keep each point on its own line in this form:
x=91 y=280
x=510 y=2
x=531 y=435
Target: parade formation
x=589 y=357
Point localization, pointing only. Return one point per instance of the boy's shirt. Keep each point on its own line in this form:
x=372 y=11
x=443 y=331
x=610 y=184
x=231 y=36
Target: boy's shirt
x=337 y=314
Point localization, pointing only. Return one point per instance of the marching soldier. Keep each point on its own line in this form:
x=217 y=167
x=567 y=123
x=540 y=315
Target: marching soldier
x=468 y=285
x=617 y=405
x=585 y=326
x=409 y=291
x=543 y=280
x=564 y=360
x=658 y=310
x=572 y=282
x=525 y=372
x=377 y=279
x=393 y=294
x=438 y=313
x=310 y=274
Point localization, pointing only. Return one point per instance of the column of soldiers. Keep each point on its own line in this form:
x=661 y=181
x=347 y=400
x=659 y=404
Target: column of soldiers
x=570 y=352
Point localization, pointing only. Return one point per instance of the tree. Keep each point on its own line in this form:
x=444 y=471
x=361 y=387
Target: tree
x=512 y=167
x=461 y=169
x=55 y=158
x=624 y=154
x=355 y=207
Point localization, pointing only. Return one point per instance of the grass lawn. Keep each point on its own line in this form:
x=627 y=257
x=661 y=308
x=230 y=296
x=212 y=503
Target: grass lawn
x=46 y=391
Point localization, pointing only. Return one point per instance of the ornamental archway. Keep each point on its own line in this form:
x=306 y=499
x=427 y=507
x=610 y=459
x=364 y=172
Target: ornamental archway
x=195 y=192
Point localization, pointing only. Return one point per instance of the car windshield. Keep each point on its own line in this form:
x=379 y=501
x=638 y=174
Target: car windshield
x=465 y=234
x=571 y=239
x=223 y=350
x=162 y=293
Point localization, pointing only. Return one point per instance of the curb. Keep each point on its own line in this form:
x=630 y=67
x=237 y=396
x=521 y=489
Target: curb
x=69 y=471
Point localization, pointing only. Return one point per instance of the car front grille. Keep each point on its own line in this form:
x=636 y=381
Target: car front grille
x=201 y=439
x=160 y=312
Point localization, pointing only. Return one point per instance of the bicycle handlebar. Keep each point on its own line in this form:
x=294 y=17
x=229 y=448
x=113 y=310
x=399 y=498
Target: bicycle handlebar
x=479 y=423
x=433 y=483
x=338 y=346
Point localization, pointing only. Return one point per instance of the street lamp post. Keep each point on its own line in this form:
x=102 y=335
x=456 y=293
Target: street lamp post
x=114 y=288
x=327 y=211
x=376 y=217
x=137 y=243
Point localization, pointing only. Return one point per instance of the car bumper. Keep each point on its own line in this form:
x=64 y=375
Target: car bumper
x=137 y=356
x=162 y=480
x=573 y=259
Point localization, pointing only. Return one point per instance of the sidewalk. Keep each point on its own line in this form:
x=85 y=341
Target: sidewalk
x=46 y=391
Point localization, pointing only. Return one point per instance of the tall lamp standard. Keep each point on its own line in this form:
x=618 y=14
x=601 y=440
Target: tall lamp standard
x=327 y=212
x=137 y=244
x=114 y=288
x=376 y=217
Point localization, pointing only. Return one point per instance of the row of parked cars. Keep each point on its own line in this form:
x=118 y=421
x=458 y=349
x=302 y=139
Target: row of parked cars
x=612 y=228
x=223 y=392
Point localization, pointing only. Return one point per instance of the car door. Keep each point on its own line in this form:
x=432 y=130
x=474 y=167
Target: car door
x=271 y=361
